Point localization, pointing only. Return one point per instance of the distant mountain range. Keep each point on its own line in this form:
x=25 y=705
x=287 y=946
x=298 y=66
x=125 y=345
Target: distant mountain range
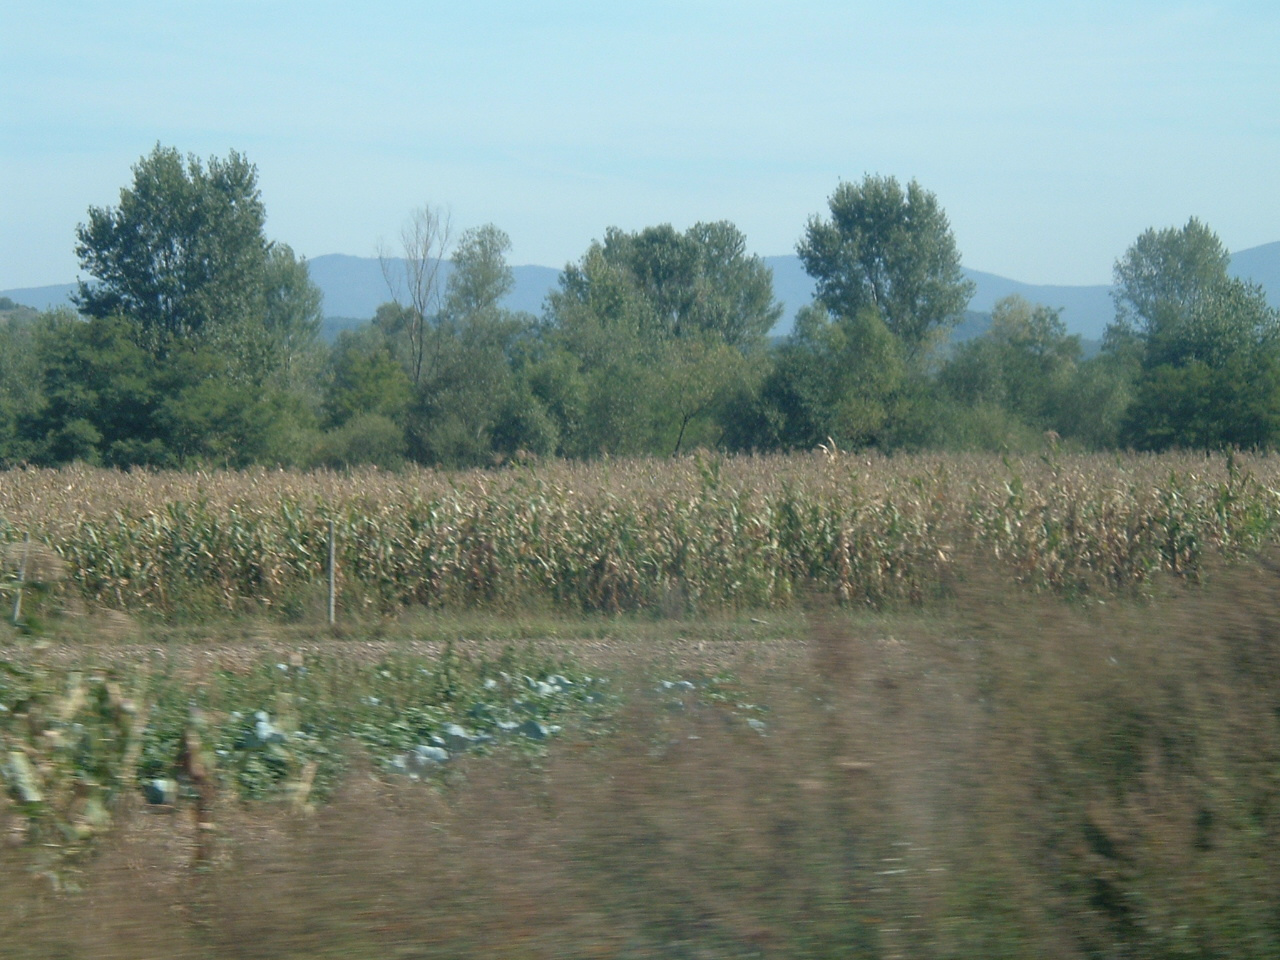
x=353 y=288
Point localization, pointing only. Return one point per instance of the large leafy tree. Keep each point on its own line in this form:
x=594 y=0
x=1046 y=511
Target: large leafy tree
x=468 y=404
x=185 y=259
x=1175 y=297
x=661 y=326
x=1025 y=363
x=892 y=250
x=364 y=378
x=367 y=393
x=1199 y=406
x=480 y=277
x=292 y=318
x=1204 y=346
x=227 y=323
x=479 y=406
x=836 y=378
x=182 y=253
x=661 y=284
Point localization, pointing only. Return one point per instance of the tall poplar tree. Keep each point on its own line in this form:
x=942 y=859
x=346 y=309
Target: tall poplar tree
x=892 y=250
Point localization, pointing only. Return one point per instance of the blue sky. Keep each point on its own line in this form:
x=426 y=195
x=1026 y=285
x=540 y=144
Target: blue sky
x=1052 y=133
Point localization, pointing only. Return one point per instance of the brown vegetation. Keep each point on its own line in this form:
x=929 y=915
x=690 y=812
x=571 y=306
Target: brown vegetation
x=679 y=536
x=998 y=774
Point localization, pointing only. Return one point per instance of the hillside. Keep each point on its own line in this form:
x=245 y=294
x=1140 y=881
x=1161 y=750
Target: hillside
x=1262 y=266
x=17 y=312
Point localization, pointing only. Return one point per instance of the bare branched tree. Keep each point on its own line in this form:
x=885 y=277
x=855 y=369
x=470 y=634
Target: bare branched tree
x=415 y=276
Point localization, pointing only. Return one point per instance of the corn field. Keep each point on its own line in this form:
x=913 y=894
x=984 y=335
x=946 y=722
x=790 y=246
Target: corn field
x=681 y=535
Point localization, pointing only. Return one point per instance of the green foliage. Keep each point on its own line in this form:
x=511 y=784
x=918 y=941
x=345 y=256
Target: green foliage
x=106 y=401
x=1166 y=274
x=836 y=378
x=480 y=277
x=200 y=344
x=1204 y=347
x=1195 y=405
x=467 y=385
x=892 y=251
x=458 y=393
x=853 y=370
x=1174 y=294
x=208 y=418
x=594 y=372
x=280 y=347
x=981 y=426
x=553 y=376
x=699 y=379
x=365 y=378
x=367 y=439
x=20 y=389
x=100 y=393
x=651 y=335
x=1092 y=411
x=660 y=284
x=1024 y=362
x=184 y=251
x=523 y=426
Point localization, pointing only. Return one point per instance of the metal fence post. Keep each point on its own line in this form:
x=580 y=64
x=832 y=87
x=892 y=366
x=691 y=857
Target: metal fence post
x=333 y=579
x=22 y=579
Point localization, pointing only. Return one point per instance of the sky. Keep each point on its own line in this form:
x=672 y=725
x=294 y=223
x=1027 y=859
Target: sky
x=1052 y=133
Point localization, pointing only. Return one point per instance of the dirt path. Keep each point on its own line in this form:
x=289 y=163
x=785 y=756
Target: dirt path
x=197 y=656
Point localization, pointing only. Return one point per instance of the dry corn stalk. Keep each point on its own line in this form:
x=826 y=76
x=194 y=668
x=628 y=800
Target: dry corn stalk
x=741 y=533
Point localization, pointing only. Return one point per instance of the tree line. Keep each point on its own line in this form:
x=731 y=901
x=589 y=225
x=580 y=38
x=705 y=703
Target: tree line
x=196 y=343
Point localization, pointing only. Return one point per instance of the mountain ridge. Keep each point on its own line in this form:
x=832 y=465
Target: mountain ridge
x=354 y=287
